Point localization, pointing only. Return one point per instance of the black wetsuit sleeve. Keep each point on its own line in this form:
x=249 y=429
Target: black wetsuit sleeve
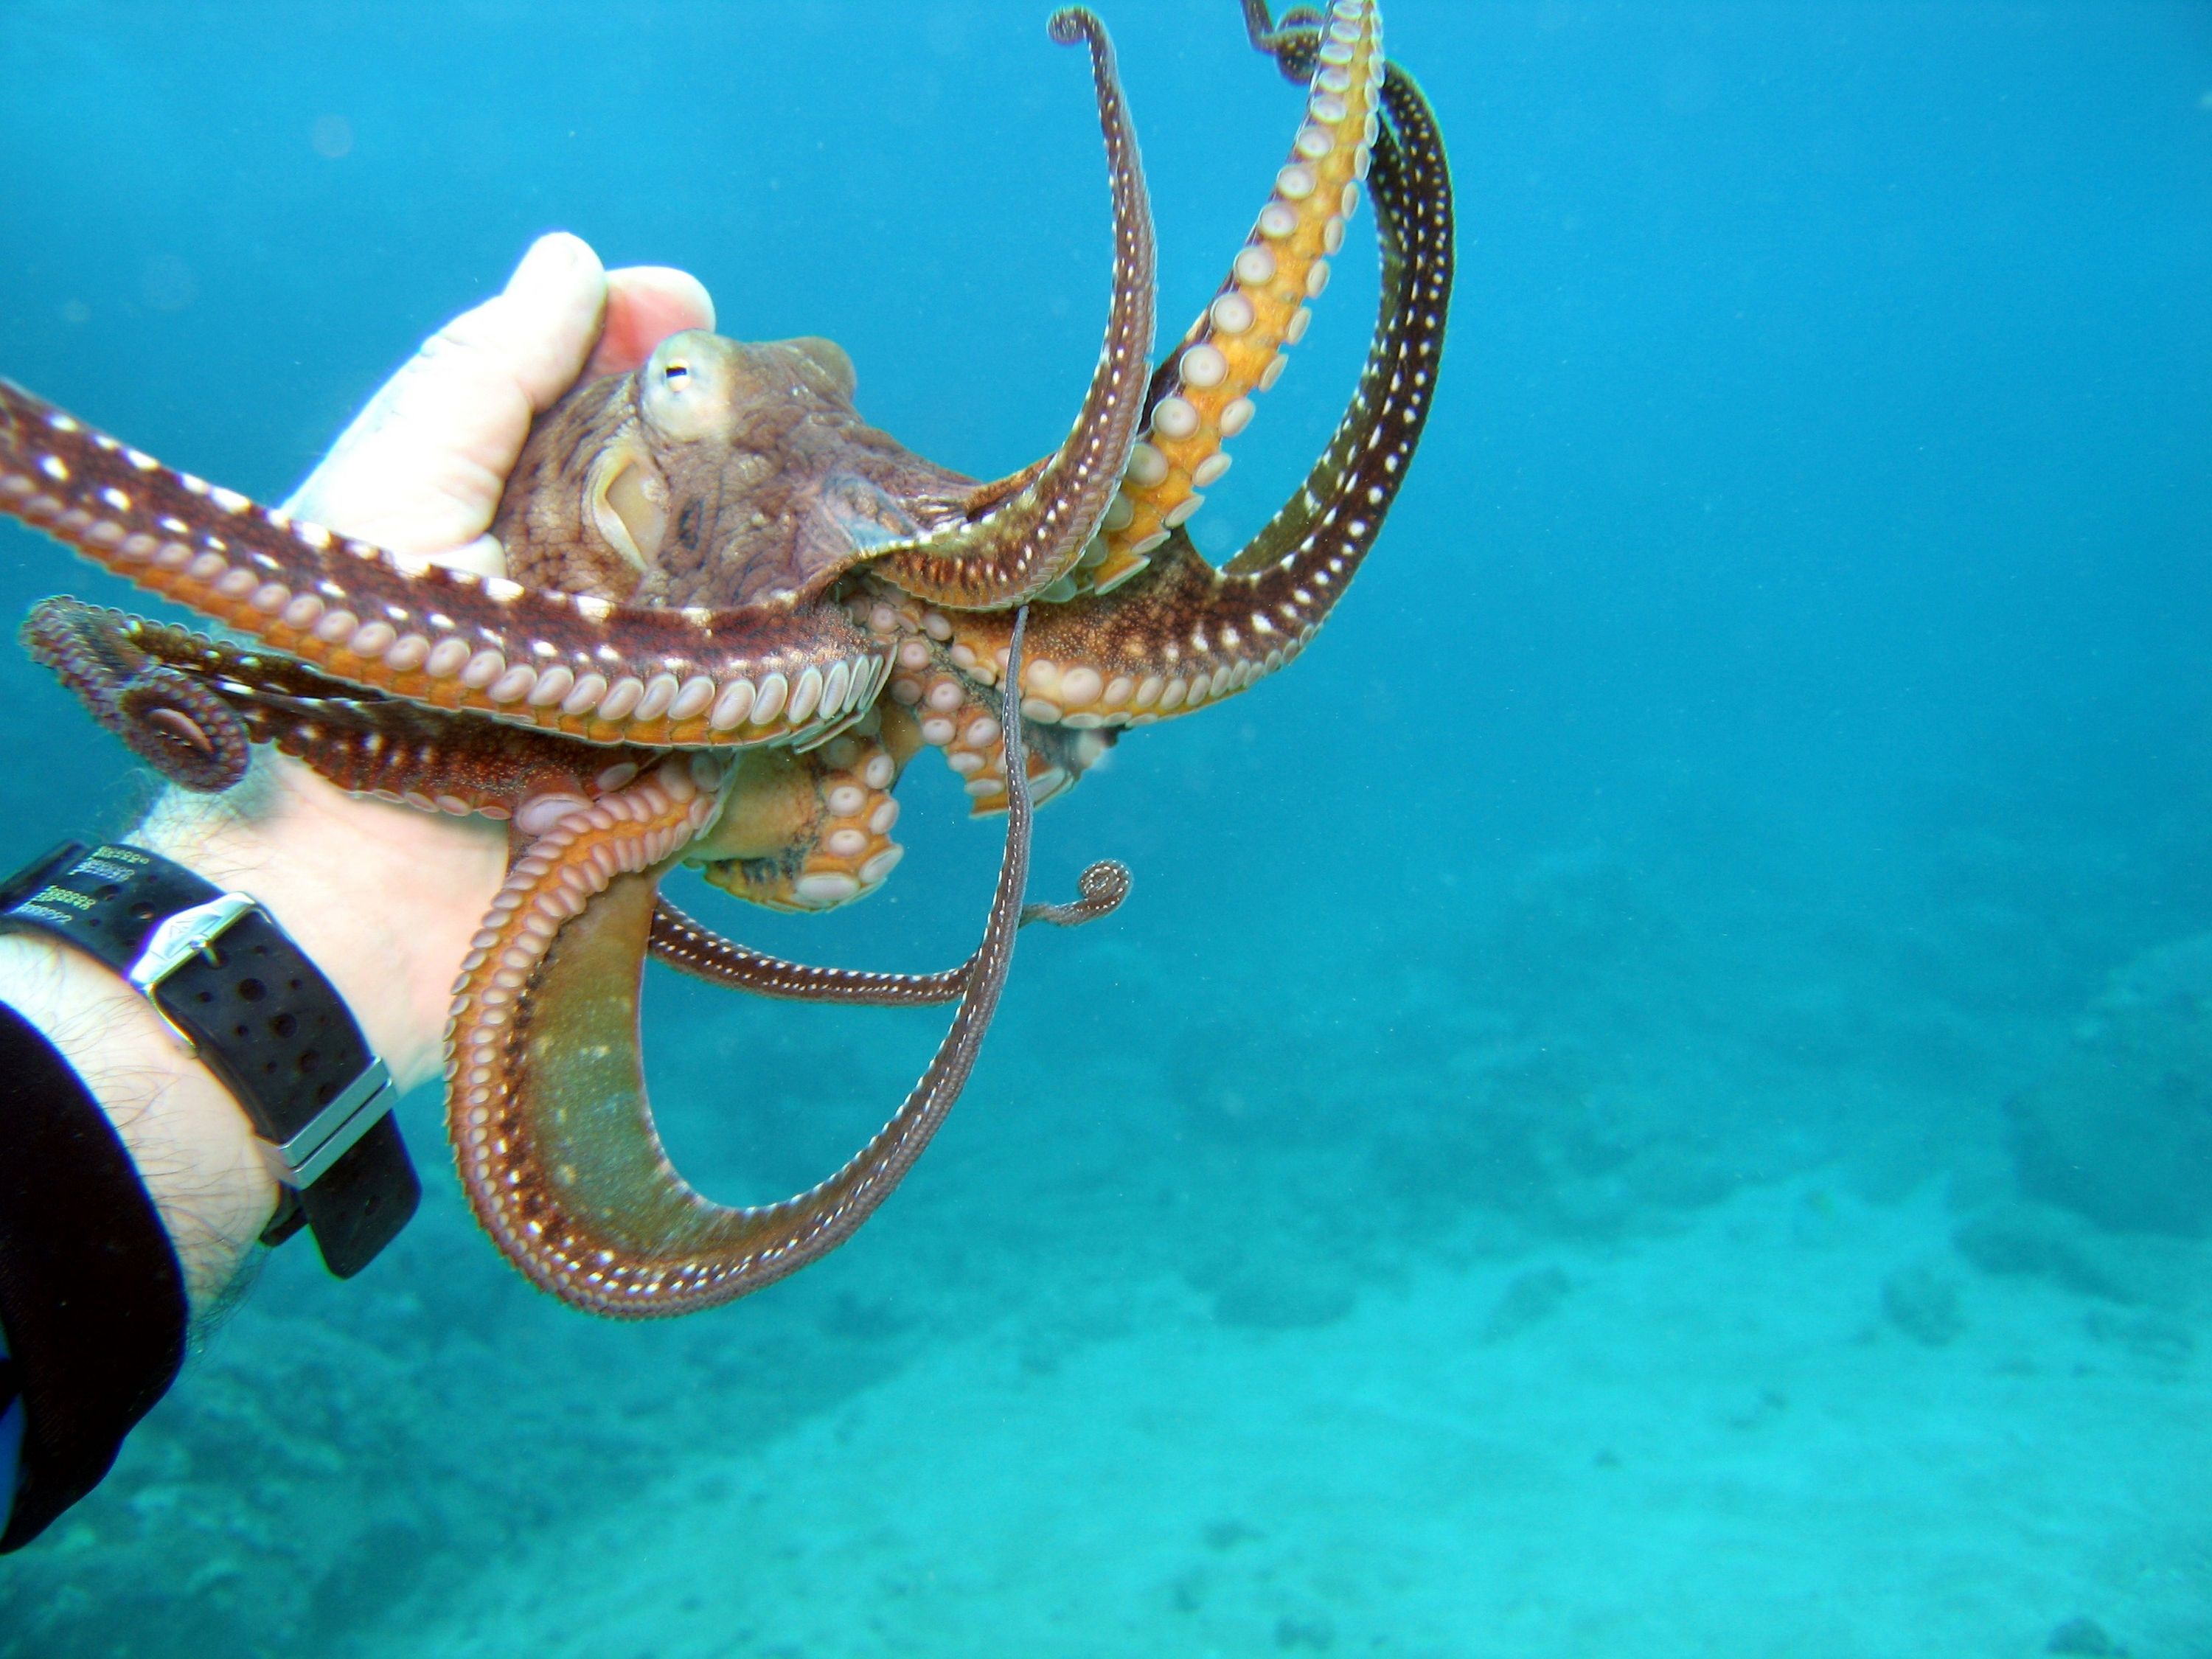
x=91 y=1300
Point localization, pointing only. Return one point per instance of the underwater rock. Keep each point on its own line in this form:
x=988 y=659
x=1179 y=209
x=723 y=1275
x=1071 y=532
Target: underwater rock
x=2161 y=1345
x=2037 y=1242
x=1187 y=1593
x=1315 y=1631
x=2121 y=1131
x=2085 y=1637
x=1531 y=1298
x=1535 y=1130
x=1289 y=1255
x=1260 y=1298
x=2042 y=1241
x=1757 y=1412
x=1925 y=1305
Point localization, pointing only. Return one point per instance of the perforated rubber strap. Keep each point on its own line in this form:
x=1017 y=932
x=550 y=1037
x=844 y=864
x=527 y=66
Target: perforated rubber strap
x=259 y=1015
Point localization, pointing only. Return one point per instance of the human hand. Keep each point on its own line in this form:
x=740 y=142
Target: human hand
x=382 y=897
x=421 y=469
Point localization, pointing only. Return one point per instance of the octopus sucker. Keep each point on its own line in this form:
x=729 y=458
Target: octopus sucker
x=733 y=612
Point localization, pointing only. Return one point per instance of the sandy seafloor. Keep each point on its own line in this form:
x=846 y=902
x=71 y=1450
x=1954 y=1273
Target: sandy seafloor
x=1751 y=1343
x=1712 y=1443
x=1654 y=1097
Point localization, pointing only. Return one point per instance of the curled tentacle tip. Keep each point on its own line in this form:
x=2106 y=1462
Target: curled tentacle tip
x=1104 y=885
x=189 y=754
x=177 y=724
x=1073 y=24
x=1291 y=41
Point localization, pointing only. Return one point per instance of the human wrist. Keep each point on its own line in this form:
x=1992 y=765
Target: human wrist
x=382 y=898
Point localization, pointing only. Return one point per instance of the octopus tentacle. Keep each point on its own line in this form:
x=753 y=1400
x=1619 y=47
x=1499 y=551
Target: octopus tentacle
x=1016 y=537
x=690 y=947
x=1202 y=394
x=810 y=831
x=168 y=719
x=1292 y=43
x=952 y=716
x=550 y=1121
x=447 y=639
x=1184 y=634
x=1413 y=190
x=363 y=744
x=188 y=651
x=1099 y=892
x=937 y=691
x=394 y=752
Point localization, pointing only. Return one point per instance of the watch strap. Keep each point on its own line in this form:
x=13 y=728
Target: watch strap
x=257 y=1012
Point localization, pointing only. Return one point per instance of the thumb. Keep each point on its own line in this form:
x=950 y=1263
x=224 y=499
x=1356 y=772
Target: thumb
x=421 y=469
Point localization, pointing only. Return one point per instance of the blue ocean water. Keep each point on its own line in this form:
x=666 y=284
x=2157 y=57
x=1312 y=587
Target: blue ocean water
x=1655 y=1094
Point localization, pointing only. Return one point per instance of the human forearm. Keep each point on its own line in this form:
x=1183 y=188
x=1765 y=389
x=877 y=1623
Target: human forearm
x=193 y=1147
x=382 y=900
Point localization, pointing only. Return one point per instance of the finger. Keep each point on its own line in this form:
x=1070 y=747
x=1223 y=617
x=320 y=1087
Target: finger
x=421 y=469
x=646 y=303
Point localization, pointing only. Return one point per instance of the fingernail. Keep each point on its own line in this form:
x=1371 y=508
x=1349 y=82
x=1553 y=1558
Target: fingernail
x=685 y=292
x=554 y=258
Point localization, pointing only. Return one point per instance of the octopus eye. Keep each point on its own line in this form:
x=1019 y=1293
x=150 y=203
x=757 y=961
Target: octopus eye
x=685 y=389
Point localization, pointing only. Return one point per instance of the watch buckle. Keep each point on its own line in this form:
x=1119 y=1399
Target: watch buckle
x=180 y=938
x=177 y=939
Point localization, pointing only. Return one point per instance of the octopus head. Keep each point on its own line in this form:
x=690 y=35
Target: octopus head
x=698 y=386
x=721 y=472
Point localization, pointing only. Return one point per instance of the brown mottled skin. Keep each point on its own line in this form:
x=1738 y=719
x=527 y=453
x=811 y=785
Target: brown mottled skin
x=719 y=474
x=717 y=556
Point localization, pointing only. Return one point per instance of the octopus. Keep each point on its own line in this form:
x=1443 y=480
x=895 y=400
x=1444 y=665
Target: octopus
x=734 y=614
